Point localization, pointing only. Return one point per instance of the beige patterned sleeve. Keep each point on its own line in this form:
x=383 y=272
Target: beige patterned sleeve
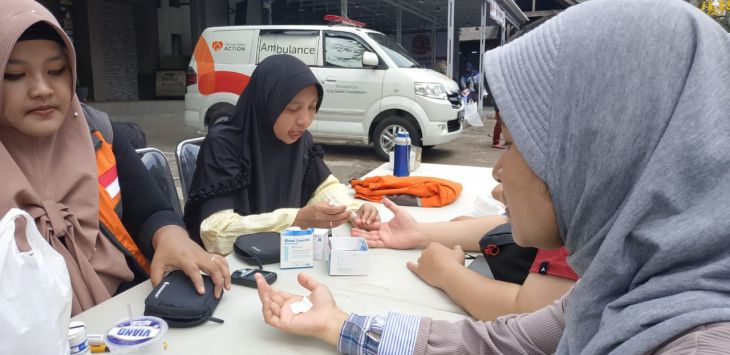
x=220 y=230
x=331 y=189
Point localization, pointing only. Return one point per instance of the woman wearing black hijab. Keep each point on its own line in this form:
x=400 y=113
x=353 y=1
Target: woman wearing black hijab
x=260 y=171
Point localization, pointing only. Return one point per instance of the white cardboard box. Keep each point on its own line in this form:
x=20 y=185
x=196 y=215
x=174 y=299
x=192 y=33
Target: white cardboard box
x=321 y=244
x=348 y=256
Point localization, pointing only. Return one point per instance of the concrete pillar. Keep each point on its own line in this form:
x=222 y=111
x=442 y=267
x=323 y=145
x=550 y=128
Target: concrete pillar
x=81 y=44
x=433 y=43
x=96 y=53
x=148 y=48
x=209 y=13
x=450 y=44
x=503 y=34
x=482 y=39
x=255 y=13
x=398 y=23
x=343 y=8
x=197 y=18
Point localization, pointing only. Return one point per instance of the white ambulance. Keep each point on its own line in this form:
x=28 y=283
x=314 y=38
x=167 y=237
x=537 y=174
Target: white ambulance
x=372 y=88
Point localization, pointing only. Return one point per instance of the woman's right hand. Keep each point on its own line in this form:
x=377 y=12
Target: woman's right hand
x=324 y=320
x=322 y=215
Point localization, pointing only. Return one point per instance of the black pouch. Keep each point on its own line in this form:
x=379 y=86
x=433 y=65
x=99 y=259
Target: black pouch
x=176 y=301
x=508 y=261
x=258 y=248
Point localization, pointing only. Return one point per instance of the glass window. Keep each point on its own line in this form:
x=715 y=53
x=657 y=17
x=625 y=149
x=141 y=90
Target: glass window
x=395 y=51
x=342 y=51
x=301 y=44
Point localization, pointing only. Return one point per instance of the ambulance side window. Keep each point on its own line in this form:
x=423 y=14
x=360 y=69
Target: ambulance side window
x=301 y=44
x=342 y=51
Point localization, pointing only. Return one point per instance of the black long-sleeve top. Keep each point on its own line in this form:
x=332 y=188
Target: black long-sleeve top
x=144 y=207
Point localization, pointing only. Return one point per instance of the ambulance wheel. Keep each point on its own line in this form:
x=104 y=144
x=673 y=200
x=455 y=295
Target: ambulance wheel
x=385 y=132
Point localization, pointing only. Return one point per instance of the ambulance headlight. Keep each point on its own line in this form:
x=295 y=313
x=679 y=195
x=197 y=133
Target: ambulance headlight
x=432 y=90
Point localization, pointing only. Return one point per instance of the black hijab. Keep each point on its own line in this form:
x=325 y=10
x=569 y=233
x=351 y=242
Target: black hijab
x=242 y=165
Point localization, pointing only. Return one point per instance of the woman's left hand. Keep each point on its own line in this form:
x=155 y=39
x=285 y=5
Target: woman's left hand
x=324 y=320
x=368 y=217
x=175 y=250
x=437 y=263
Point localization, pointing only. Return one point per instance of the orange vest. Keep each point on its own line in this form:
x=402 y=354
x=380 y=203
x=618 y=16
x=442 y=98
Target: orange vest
x=110 y=203
x=430 y=191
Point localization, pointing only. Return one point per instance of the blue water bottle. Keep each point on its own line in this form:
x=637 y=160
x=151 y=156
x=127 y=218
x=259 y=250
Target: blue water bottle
x=402 y=154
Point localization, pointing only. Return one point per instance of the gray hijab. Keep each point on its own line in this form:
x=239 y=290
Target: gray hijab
x=620 y=107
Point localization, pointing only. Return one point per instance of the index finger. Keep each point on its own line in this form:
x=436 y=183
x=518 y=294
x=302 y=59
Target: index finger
x=359 y=232
x=262 y=286
x=413 y=267
x=371 y=215
x=218 y=273
x=193 y=273
x=374 y=240
x=390 y=204
x=156 y=273
x=225 y=272
x=375 y=225
x=345 y=216
x=333 y=210
x=224 y=281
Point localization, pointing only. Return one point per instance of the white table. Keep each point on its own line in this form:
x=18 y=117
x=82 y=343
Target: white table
x=389 y=286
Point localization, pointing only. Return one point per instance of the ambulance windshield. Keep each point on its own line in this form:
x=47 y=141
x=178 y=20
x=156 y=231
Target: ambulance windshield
x=396 y=52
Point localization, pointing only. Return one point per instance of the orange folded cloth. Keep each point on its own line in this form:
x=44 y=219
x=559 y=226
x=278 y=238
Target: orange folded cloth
x=426 y=191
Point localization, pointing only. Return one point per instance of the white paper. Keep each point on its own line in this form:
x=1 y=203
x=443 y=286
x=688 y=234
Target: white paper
x=301 y=306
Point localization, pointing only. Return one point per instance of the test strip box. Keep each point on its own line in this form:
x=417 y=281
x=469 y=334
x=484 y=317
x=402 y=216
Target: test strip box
x=348 y=256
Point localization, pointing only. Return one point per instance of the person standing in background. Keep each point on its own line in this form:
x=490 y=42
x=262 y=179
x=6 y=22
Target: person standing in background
x=497 y=132
x=470 y=81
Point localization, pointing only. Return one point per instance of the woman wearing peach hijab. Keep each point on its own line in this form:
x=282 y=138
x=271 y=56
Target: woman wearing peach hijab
x=50 y=158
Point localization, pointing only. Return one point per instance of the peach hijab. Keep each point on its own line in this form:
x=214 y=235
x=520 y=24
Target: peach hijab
x=54 y=178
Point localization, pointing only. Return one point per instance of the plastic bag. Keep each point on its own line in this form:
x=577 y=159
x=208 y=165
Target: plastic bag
x=471 y=114
x=36 y=292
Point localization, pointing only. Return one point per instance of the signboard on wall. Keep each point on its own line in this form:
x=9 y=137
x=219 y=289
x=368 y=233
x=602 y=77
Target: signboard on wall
x=496 y=13
x=170 y=83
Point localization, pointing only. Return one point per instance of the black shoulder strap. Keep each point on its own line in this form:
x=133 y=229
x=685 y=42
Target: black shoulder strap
x=98 y=121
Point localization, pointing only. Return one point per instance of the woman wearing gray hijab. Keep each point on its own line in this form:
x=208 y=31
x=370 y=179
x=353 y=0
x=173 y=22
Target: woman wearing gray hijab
x=619 y=149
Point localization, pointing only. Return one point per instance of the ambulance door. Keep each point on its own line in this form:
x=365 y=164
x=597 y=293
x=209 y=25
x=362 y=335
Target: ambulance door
x=350 y=90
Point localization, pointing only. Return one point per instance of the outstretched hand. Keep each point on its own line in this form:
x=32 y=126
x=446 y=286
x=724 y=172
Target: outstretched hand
x=324 y=320
x=401 y=232
x=175 y=250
